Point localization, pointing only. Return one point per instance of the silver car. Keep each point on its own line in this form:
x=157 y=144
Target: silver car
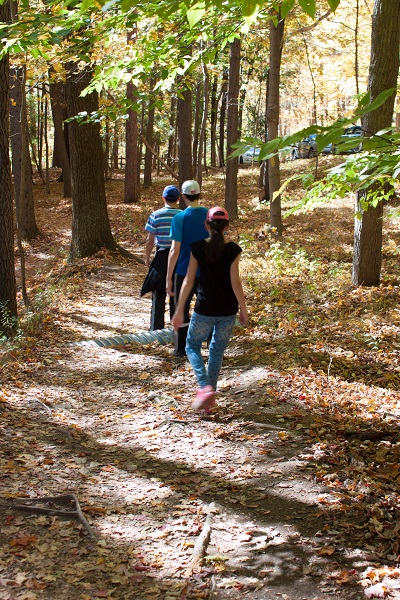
x=250 y=156
x=307 y=148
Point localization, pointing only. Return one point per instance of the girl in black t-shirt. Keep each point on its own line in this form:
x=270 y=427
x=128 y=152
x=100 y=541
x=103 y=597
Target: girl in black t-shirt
x=219 y=296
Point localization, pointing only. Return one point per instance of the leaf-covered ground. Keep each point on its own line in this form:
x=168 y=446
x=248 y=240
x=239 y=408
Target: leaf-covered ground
x=298 y=469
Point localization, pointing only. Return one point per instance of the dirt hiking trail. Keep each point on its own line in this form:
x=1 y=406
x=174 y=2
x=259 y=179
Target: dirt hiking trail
x=115 y=428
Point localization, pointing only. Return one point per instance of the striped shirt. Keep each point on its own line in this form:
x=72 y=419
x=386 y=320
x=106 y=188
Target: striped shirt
x=159 y=224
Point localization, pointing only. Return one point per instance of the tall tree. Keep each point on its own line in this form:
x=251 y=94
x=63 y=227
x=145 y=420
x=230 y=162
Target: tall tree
x=184 y=122
x=58 y=109
x=196 y=126
x=203 y=127
x=277 y=26
x=8 y=302
x=232 y=134
x=172 y=131
x=132 y=163
x=90 y=224
x=383 y=74
x=213 y=120
x=222 y=117
x=148 y=157
x=21 y=163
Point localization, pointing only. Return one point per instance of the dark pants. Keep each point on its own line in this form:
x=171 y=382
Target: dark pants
x=157 y=317
x=180 y=336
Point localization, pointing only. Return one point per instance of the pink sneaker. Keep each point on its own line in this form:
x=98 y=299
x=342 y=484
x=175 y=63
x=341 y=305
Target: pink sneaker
x=205 y=398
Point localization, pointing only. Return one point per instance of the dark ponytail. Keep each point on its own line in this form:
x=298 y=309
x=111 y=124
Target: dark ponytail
x=215 y=244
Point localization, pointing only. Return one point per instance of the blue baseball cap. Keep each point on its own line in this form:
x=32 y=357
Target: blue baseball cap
x=171 y=193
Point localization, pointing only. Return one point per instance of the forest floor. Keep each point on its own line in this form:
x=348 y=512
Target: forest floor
x=297 y=472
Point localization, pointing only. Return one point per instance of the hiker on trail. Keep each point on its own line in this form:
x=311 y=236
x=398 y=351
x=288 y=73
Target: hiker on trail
x=186 y=227
x=219 y=296
x=158 y=229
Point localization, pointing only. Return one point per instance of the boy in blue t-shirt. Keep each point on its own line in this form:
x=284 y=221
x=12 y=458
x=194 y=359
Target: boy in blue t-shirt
x=186 y=227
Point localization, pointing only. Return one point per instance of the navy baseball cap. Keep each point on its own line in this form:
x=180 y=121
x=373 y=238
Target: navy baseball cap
x=171 y=193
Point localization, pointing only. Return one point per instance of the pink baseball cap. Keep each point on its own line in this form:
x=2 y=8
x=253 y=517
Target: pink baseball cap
x=217 y=212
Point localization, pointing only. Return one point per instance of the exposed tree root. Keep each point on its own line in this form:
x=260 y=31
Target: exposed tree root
x=76 y=513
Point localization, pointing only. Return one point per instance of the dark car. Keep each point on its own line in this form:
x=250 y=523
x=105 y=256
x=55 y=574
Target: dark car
x=350 y=133
x=307 y=148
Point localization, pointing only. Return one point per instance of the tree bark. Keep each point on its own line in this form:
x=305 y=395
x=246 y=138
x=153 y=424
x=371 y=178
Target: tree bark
x=184 y=122
x=273 y=111
x=115 y=148
x=196 y=126
x=222 y=117
x=58 y=109
x=148 y=157
x=383 y=73
x=90 y=224
x=213 y=121
x=263 y=181
x=132 y=162
x=172 y=137
x=232 y=134
x=21 y=163
x=203 y=127
x=8 y=291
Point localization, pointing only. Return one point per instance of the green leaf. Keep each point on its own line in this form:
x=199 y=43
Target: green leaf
x=307 y=180
x=333 y=4
x=308 y=6
x=249 y=8
x=364 y=107
x=195 y=13
x=286 y=7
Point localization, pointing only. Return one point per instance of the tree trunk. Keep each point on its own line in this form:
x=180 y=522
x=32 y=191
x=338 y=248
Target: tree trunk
x=8 y=291
x=132 y=163
x=263 y=180
x=40 y=98
x=232 y=134
x=383 y=73
x=46 y=143
x=213 y=121
x=184 y=121
x=273 y=111
x=58 y=110
x=202 y=137
x=115 y=147
x=21 y=163
x=148 y=157
x=196 y=127
x=90 y=225
x=132 y=169
x=222 y=116
x=172 y=138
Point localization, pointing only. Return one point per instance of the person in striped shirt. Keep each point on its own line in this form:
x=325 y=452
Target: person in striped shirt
x=158 y=228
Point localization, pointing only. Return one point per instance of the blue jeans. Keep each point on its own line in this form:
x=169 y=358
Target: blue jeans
x=200 y=329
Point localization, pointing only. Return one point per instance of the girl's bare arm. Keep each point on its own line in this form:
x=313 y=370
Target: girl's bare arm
x=238 y=291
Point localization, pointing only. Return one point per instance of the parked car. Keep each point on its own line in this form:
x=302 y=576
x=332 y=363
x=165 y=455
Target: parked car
x=250 y=156
x=350 y=133
x=307 y=148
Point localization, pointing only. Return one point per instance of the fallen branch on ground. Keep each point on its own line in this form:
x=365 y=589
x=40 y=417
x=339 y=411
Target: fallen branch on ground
x=65 y=499
x=202 y=542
